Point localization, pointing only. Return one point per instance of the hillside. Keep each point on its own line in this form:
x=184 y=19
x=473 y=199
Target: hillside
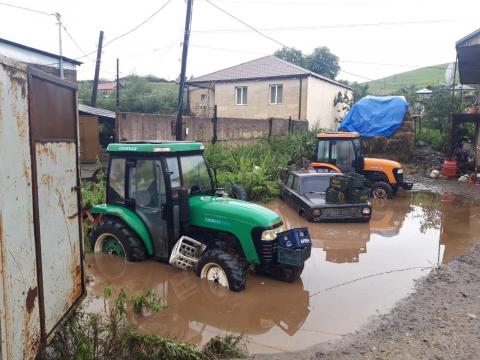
x=409 y=80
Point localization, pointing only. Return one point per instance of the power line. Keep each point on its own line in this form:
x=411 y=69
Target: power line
x=227 y=50
x=360 y=76
x=248 y=25
x=27 y=9
x=76 y=44
x=336 y=26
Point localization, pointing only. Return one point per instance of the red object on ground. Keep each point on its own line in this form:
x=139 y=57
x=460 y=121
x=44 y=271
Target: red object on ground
x=450 y=169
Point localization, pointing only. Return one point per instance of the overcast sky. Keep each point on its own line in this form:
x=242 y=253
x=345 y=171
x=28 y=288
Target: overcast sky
x=396 y=36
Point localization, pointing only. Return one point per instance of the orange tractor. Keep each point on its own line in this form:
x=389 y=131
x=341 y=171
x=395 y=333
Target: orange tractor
x=342 y=152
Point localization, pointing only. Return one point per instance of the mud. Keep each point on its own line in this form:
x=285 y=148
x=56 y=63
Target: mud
x=356 y=272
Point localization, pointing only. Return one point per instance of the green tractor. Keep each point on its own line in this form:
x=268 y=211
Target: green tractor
x=158 y=192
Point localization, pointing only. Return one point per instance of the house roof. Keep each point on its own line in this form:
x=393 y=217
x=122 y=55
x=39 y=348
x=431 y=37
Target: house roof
x=263 y=68
x=96 y=111
x=468 y=53
x=107 y=85
x=38 y=51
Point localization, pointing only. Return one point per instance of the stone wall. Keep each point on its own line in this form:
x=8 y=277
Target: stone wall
x=400 y=146
x=137 y=126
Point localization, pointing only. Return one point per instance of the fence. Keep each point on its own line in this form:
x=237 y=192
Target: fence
x=137 y=126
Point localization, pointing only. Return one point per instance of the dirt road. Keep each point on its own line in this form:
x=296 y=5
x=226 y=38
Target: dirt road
x=440 y=320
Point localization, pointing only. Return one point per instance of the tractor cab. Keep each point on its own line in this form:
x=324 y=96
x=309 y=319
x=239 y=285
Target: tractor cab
x=161 y=203
x=342 y=152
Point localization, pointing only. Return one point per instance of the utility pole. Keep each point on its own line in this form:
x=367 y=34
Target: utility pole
x=93 y=102
x=186 y=39
x=117 y=107
x=60 y=63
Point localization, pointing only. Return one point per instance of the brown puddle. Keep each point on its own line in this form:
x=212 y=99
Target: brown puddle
x=356 y=271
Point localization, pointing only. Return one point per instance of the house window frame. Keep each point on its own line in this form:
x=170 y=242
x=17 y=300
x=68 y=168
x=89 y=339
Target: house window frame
x=276 y=86
x=243 y=97
x=204 y=97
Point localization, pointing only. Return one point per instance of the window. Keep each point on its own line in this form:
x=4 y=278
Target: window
x=290 y=181
x=195 y=174
x=315 y=184
x=296 y=184
x=276 y=94
x=172 y=164
x=322 y=151
x=343 y=153
x=203 y=97
x=241 y=95
x=146 y=184
x=116 y=183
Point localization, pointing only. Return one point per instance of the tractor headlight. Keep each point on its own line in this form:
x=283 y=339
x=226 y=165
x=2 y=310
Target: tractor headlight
x=316 y=212
x=366 y=211
x=269 y=235
x=400 y=171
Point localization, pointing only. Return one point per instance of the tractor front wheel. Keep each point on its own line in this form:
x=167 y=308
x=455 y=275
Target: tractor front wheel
x=288 y=273
x=114 y=237
x=382 y=190
x=222 y=269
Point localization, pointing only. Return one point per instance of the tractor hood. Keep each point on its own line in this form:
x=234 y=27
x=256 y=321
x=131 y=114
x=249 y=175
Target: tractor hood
x=374 y=164
x=229 y=214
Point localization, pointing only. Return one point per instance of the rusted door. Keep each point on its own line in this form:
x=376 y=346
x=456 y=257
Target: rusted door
x=53 y=129
x=19 y=306
x=89 y=138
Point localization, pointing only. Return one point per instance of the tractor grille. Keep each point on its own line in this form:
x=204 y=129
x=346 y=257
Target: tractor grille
x=343 y=212
x=398 y=177
x=268 y=251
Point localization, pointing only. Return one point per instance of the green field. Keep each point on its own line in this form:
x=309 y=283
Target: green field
x=410 y=80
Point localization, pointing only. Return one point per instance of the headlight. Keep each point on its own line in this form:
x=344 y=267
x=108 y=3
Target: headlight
x=400 y=171
x=269 y=235
x=366 y=211
x=316 y=212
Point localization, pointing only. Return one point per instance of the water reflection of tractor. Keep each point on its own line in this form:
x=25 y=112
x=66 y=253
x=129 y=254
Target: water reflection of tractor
x=157 y=192
x=387 y=219
x=194 y=304
x=343 y=152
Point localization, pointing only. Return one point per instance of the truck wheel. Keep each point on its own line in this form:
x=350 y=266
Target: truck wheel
x=288 y=273
x=221 y=268
x=239 y=193
x=112 y=236
x=382 y=190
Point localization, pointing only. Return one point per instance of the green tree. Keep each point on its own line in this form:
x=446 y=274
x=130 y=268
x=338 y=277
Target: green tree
x=321 y=61
x=291 y=55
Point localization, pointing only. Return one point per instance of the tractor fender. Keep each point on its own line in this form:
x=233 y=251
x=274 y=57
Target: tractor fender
x=129 y=218
x=316 y=165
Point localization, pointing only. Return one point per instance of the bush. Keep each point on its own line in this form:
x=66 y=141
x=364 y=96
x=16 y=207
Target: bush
x=259 y=167
x=435 y=138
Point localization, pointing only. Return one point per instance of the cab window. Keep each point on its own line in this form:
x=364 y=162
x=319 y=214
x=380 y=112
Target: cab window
x=116 y=181
x=196 y=178
x=172 y=164
x=343 y=155
x=322 y=151
x=146 y=184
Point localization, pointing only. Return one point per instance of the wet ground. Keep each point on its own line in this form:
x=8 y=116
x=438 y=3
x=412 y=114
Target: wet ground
x=356 y=271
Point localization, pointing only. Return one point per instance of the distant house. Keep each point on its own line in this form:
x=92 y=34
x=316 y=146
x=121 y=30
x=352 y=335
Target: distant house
x=269 y=87
x=40 y=59
x=106 y=88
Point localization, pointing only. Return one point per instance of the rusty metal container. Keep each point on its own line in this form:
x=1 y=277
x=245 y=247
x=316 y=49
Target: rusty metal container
x=41 y=255
x=450 y=169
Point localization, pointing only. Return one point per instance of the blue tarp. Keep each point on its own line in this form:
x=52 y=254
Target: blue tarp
x=376 y=115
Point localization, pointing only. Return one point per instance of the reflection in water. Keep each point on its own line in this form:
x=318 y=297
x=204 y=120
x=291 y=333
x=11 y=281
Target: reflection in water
x=413 y=230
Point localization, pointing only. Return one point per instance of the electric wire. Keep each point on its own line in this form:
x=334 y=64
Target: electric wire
x=27 y=9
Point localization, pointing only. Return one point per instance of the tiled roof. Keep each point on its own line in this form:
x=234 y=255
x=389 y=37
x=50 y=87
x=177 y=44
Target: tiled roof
x=262 y=68
x=96 y=111
x=107 y=85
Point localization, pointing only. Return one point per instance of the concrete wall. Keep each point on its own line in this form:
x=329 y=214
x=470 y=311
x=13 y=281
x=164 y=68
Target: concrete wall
x=321 y=111
x=136 y=126
x=258 y=106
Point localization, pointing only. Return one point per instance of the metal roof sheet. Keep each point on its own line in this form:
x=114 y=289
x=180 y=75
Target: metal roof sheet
x=262 y=68
x=96 y=111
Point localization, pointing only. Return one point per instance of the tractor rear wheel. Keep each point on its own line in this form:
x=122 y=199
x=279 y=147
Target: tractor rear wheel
x=382 y=190
x=239 y=193
x=221 y=268
x=113 y=236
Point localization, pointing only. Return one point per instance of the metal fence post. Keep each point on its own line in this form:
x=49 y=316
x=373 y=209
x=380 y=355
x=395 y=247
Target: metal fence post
x=270 y=125
x=215 y=123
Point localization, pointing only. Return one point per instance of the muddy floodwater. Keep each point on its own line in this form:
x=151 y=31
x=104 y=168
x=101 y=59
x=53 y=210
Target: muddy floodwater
x=356 y=271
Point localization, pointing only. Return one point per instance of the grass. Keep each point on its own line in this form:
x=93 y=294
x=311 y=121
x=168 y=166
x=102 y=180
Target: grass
x=409 y=80
x=109 y=335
